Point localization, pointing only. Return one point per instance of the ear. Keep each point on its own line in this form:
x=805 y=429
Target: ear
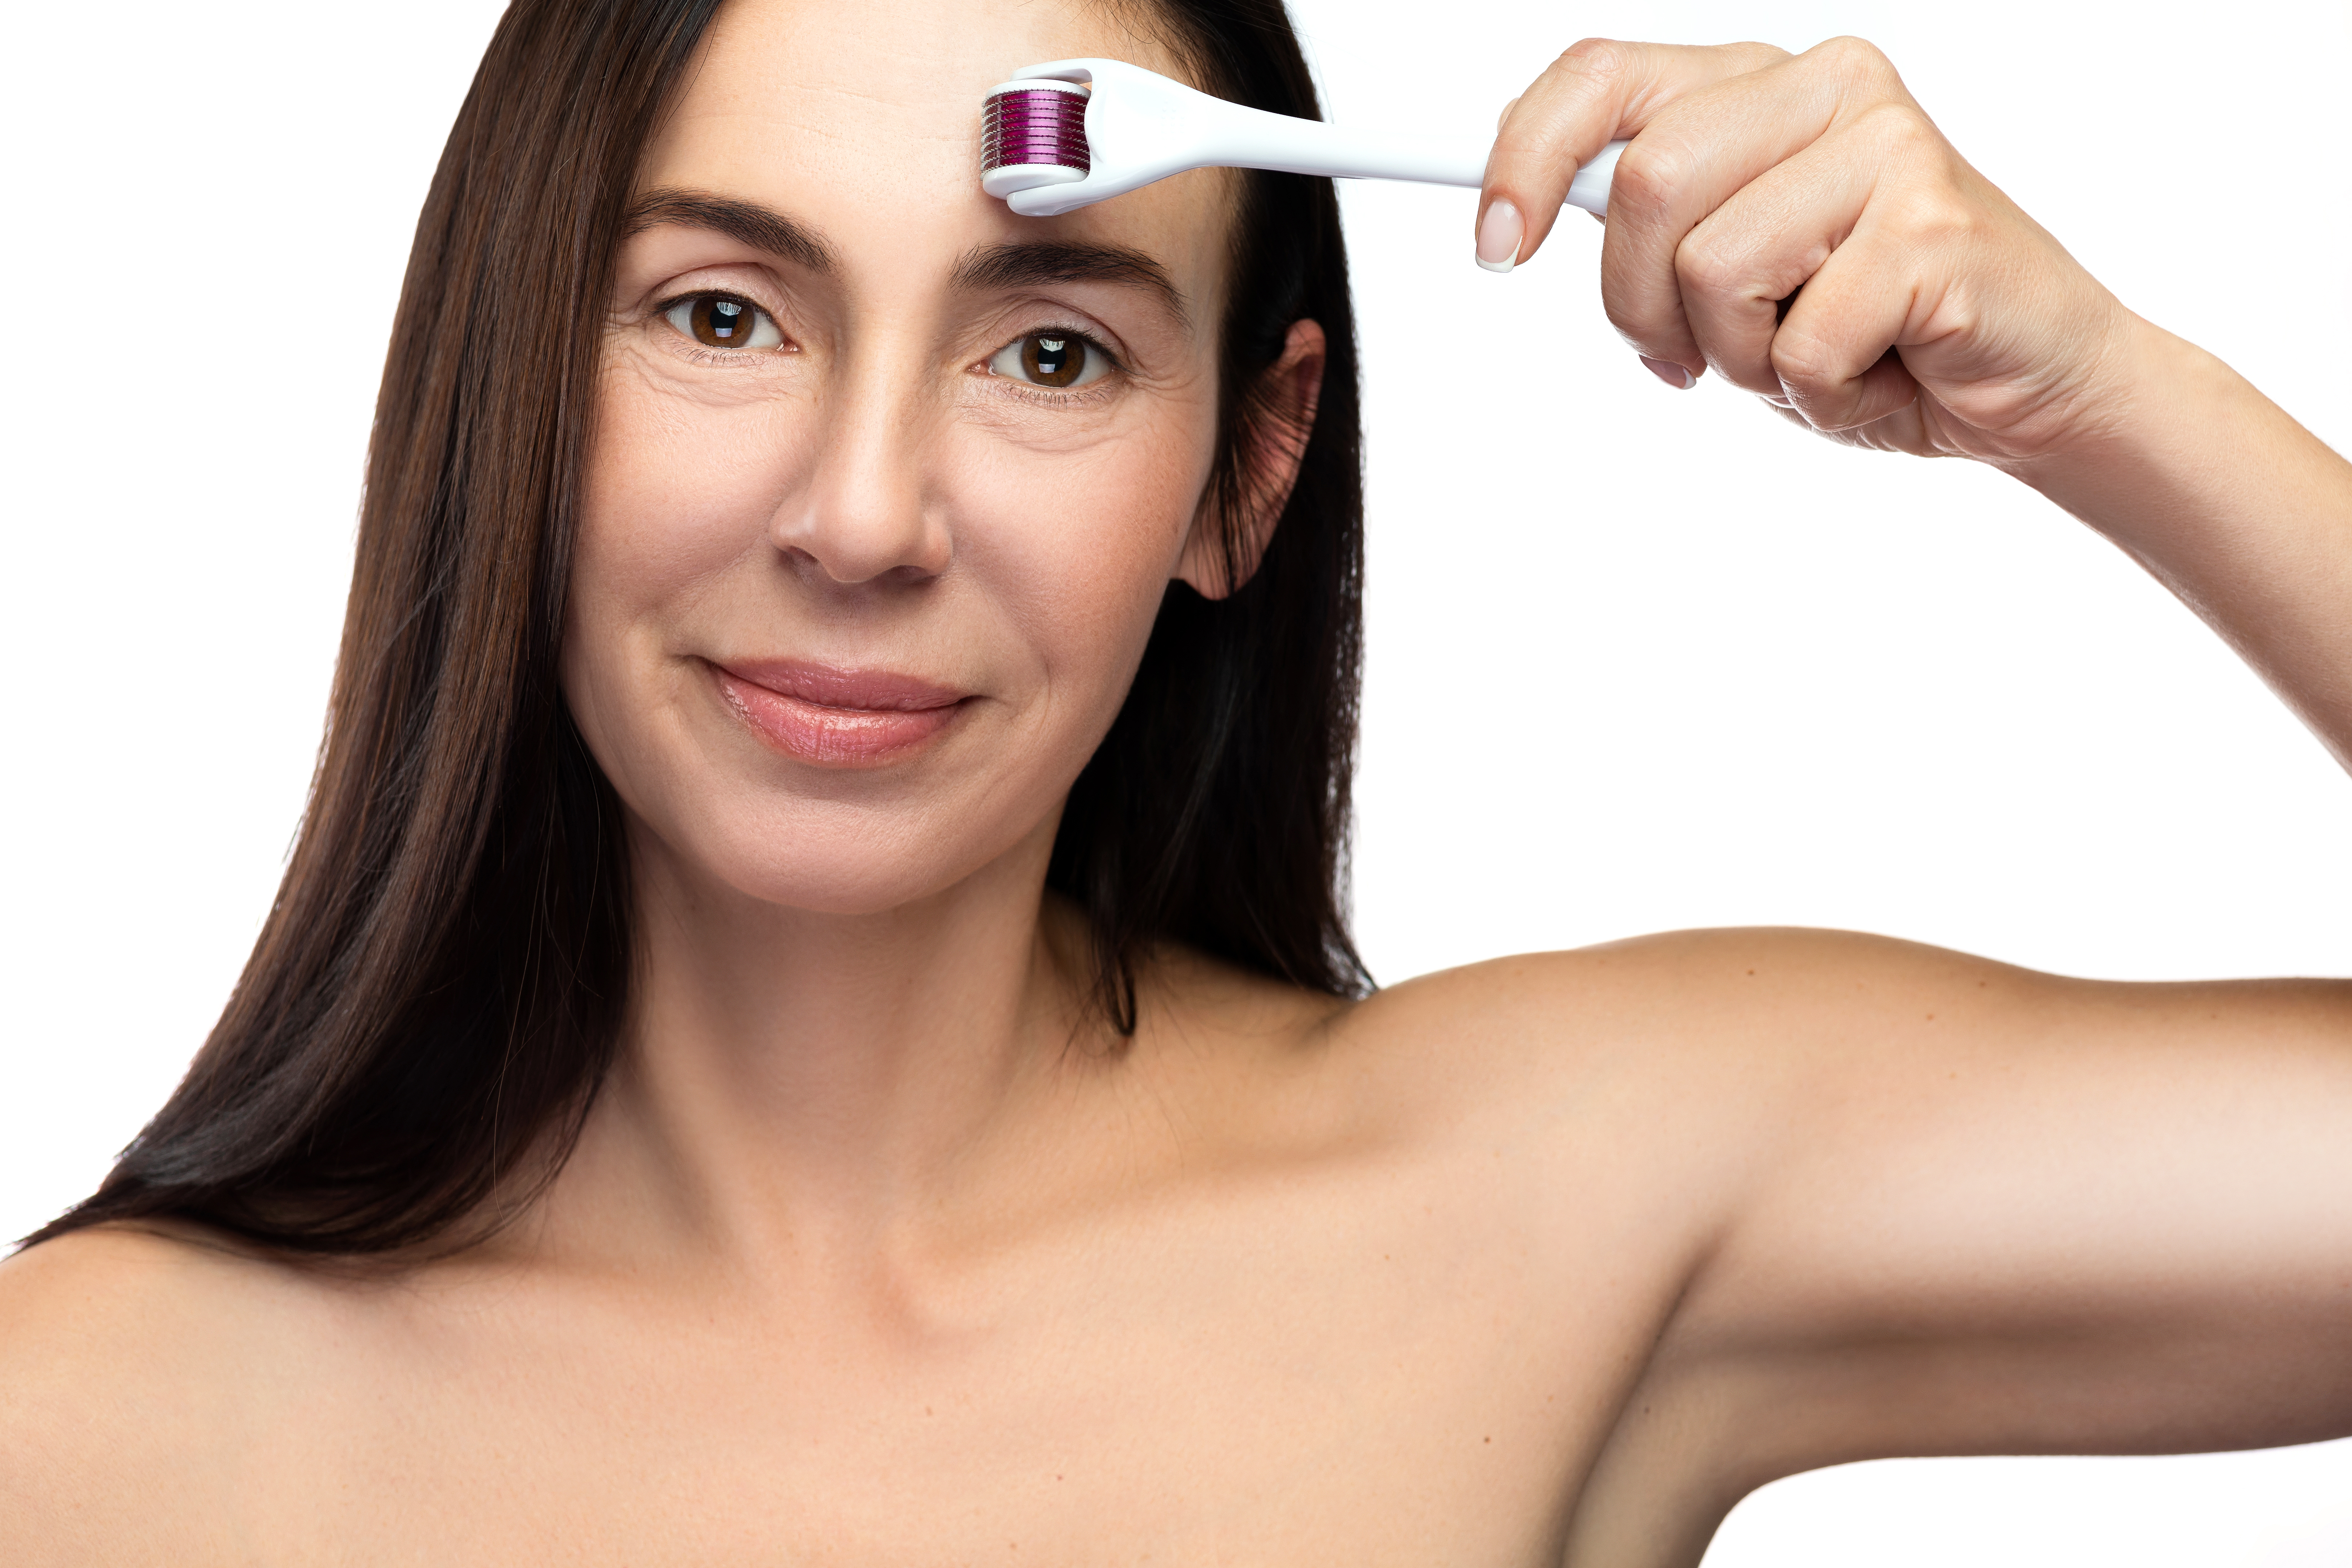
x=1273 y=434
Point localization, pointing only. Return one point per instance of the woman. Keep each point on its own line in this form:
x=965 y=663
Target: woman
x=749 y=1156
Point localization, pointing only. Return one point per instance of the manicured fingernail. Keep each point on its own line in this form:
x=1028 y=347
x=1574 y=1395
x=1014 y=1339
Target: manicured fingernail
x=1499 y=233
x=1666 y=369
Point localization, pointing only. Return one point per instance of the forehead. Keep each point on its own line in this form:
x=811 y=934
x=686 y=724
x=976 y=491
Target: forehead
x=862 y=117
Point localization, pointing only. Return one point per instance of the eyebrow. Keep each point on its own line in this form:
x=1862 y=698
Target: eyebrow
x=762 y=229
x=1014 y=264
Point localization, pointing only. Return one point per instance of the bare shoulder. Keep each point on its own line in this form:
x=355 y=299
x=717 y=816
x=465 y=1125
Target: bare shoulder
x=129 y=1360
x=1708 y=1020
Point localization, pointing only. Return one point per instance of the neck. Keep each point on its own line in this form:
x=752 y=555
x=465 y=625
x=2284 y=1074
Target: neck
x=788 y=1077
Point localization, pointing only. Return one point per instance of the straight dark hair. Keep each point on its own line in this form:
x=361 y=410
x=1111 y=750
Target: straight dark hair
x=440 y=985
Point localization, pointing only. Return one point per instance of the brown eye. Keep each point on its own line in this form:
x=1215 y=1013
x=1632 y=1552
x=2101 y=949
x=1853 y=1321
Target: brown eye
x=1060 y=359
x=724 y=321
x=1053 y=361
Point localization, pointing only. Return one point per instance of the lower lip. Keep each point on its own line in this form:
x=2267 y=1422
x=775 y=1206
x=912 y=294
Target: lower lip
x=833 y=736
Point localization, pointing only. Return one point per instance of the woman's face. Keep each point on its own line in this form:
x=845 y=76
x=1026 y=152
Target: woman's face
x=888 y=481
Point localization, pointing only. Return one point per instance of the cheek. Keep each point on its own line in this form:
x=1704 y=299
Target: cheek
x=1076 y=544
x=679 y=495
x=681 y=488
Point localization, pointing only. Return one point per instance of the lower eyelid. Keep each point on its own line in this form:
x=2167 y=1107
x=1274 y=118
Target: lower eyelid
x=1046 y=398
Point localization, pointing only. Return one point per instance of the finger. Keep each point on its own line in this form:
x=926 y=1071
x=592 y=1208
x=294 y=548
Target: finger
x=1736 y=273
x=1598 y=90
x=1837 y=357
x=1902 y=431
x=1697 y=155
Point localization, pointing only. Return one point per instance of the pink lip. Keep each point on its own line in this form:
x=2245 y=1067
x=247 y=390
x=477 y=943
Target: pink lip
x=838 y=717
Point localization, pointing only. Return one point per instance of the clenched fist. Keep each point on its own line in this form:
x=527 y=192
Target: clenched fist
x=1797 y=224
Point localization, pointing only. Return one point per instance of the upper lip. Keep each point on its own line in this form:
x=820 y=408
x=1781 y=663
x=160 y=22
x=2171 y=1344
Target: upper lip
x=837 y=685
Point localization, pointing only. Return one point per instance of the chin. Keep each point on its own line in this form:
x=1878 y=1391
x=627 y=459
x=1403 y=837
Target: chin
x=841 y=859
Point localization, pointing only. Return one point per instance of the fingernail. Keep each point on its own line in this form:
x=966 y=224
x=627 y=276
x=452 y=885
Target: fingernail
x=1666 y=370
x=1499 y=233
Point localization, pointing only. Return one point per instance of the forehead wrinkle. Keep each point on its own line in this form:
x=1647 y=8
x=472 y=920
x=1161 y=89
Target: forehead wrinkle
x=1016 y=263
x=807 y=120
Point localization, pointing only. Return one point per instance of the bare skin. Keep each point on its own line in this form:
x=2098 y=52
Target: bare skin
x=874 y=1251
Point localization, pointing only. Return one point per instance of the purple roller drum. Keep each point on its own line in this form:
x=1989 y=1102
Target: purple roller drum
x=1037 y=128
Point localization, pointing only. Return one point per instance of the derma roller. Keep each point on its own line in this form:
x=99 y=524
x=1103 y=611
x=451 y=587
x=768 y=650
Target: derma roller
x=1068 y=134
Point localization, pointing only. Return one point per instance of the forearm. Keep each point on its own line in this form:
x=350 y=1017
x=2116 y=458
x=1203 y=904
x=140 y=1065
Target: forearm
x=2237 y=509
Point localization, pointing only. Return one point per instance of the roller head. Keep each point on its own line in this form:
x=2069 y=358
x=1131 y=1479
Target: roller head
x=1033 y=133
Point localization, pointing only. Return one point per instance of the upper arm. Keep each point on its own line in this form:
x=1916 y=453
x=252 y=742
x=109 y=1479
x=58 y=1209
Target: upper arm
x=1987 y=1210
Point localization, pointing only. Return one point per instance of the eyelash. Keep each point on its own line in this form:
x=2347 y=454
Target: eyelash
x=1044 y=395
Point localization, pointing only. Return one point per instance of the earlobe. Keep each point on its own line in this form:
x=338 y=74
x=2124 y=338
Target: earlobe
x=1235 y=520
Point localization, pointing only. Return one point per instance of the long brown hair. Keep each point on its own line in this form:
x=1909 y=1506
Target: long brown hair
x=439 y=987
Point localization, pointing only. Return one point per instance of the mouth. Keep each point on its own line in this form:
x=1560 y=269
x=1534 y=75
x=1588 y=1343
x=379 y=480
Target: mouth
x=835 y=717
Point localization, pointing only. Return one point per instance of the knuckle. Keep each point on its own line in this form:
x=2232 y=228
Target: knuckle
x=1934 y=216
x=1604 y=59
x=1707 y=266
x=1744 y=58
x=1647 y=176
x=1853 y=57
x=1926 y=196
x=1899 y=127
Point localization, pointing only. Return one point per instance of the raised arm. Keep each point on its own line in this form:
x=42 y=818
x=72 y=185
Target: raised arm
x=1798 y=226
x=1964 y=1208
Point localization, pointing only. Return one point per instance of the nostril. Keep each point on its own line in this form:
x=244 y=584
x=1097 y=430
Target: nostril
x=842 y=554
x=867 y=508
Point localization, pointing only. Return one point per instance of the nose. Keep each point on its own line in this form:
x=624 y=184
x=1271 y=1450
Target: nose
x=867 y=513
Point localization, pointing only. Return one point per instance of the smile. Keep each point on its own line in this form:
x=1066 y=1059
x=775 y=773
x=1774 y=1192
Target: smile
x=835 y=717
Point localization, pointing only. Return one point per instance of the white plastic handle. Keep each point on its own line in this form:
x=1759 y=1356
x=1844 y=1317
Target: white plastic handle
x=1590 y=189
x=1142 y=126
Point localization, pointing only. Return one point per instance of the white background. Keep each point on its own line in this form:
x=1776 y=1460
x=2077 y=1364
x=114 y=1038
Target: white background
x=1638 y=659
